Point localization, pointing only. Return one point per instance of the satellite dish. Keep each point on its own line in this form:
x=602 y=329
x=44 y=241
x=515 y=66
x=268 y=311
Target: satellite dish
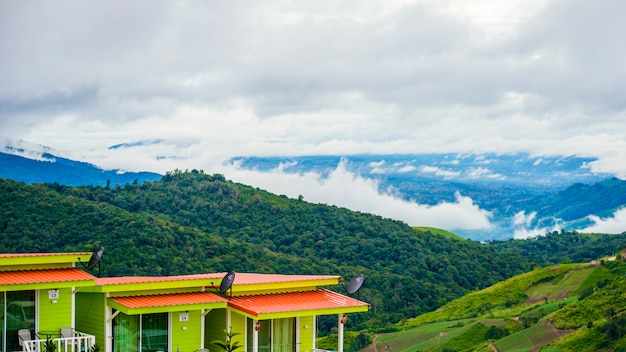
x=227 y=282
x=355 y=284
x=96 y=258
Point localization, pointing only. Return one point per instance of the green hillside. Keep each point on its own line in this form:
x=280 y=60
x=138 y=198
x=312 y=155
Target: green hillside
x=573 y=307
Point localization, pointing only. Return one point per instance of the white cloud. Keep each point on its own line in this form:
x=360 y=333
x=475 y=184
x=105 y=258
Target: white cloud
x=615 y=224
x=481 y=172
x=345 y=189
x=523 y=229
x=439 y=171
x=407 y=168
x=243 y=78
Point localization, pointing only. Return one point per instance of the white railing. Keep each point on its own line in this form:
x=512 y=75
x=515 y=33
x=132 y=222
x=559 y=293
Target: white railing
x=77 y=343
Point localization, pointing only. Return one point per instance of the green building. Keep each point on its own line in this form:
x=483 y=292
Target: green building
x=186 y=313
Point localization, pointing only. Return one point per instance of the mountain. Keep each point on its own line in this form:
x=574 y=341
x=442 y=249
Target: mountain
x=190 y=222
x=522 y=193
x=50 y=168
x=548 y=191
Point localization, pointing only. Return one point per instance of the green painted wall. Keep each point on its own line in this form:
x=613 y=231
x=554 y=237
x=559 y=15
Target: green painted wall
x=55 y=314
x=307 y=332
x=186 y=334
x=90 y=315
x=214 y=326
x=238 y=324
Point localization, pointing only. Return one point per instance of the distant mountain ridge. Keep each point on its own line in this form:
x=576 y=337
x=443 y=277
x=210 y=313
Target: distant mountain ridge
x=50 y=169
x=549 y=191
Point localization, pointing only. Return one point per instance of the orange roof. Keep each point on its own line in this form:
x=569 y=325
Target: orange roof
x=251 y=279
x=124 y=280
x=293 y=302
x=43 y=276
x=14 y=255
x=175 y=299
x=240 y=278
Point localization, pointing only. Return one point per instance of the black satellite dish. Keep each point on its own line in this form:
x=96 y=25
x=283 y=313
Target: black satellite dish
x=227 y=282
x=355 y=284
x=95 y=259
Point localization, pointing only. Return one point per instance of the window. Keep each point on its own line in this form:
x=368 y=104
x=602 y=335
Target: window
x=20 y=314
x=144 y=332
x=276 y=335
x=154 y=332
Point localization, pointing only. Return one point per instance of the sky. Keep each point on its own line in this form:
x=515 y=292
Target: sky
x=189 y=84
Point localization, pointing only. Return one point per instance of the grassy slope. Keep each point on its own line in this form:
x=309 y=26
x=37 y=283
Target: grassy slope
x=461 y=324
x=506 y=294
x=438 y=231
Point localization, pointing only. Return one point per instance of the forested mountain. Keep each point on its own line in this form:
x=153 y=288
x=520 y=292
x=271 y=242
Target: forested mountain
x=190 y=222
x=558 y=190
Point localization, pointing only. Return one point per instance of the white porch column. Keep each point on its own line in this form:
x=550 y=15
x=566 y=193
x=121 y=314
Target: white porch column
x=340 y=323
x=255 y=336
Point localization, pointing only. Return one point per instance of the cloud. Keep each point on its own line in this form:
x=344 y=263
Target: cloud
x=190 y=84
x=345 y=189
x=439 y=171
x=212 y=80
x=615 y=224
x=523 y=228
x=481 y=172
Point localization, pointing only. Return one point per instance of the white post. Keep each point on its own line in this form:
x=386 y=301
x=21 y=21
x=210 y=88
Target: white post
x=255 y=336
x=340 y=333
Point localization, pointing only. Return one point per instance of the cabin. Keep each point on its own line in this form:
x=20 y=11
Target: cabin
x=185 y=313
x=37 y=300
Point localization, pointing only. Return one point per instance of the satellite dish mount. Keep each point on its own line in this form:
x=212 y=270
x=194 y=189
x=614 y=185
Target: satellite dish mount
x=354 y=285
x=227 y=284
x=95 y=259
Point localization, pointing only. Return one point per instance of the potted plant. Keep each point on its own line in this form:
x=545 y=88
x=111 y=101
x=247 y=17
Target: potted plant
x=49 y=346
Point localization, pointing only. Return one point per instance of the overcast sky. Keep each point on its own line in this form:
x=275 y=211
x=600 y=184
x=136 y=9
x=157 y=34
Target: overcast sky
x=199 y=81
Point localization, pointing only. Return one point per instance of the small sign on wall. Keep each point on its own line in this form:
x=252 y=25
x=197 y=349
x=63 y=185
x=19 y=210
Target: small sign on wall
x=53 y=294
x=183 y=316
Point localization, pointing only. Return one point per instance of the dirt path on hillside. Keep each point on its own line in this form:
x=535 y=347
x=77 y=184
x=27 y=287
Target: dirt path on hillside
x=493 y=347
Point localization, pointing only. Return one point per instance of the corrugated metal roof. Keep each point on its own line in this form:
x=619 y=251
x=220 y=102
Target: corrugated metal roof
x=124 y=280
x=240 y=278
x=16 y=255
x=22 y=277
x=175 y=299
x=293 y=302
x=253 y=279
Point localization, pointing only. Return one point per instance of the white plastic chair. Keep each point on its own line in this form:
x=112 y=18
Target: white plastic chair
x=23 y=335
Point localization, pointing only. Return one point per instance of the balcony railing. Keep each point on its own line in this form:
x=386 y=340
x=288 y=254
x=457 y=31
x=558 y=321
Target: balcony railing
x=76 y=343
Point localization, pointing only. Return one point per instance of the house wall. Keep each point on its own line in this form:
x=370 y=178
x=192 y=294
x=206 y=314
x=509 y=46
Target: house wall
x=91 y=315
x=55 y=314
x=306 y=331
x=186 y=334
x=214 y=326
x=238 y=324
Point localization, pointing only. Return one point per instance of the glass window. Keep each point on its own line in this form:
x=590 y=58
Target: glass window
x=284 y=335
x=125 y=333
x=277 y=335
x=154 y=332
x=20 y=314
x=145 y=332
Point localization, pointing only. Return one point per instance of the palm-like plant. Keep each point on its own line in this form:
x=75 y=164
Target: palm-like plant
x=227 y=345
